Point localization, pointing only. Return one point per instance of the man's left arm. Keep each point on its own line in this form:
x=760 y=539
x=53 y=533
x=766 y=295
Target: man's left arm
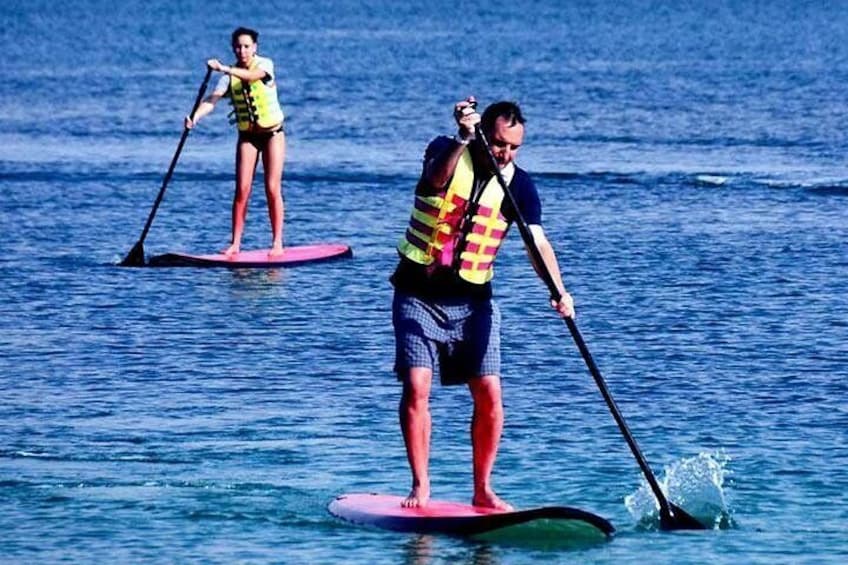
x=527 y=198
x=565 y=305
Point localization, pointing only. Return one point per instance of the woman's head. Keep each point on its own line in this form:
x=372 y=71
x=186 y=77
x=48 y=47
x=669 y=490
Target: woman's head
x=244 y=42
x=251 y=33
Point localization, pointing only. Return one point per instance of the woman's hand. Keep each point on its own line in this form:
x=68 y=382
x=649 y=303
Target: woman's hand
x=215 y=65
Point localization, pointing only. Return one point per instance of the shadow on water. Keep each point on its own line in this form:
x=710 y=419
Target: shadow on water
x=828 y=190
x=548 y=535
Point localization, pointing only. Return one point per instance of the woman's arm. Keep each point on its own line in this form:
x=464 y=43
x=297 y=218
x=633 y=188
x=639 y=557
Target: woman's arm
x=204 y=109
x=247 y=75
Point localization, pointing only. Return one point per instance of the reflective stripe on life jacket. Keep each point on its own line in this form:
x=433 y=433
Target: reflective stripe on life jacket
x=255 y=103
x=441 y=232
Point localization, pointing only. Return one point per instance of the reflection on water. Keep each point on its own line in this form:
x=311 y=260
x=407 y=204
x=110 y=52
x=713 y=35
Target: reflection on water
x=420 y=549
x=259 y=278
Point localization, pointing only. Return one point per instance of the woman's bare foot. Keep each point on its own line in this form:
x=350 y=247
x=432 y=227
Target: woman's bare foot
x=276 y=251
x=488 y=499
x=233 y=249
x=418 y=498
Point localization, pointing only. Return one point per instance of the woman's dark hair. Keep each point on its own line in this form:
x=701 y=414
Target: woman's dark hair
x=254 y=35
x=510 y=111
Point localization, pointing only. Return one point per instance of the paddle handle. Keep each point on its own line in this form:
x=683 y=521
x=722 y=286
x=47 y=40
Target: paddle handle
x=176 y=156
x=556 y=296
x=665 y=508
x=137 y=249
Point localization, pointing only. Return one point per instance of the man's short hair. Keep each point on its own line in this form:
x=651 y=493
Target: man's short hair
x=510 y=111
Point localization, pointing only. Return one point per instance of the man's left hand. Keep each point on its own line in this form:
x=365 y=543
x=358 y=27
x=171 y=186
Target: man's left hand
x=565 y=306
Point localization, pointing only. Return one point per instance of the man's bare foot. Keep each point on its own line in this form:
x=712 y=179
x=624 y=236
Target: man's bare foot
x=418 y=498
x=231 y=250
x=276 y=252
x=488 y=499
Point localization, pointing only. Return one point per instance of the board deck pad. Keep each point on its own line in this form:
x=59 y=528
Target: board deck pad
x=549 y=523
x=257 y=258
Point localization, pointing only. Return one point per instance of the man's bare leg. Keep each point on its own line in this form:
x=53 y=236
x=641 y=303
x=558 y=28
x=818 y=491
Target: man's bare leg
x=415 y=423
x=486 y=428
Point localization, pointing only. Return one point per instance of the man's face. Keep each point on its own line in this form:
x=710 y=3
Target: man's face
x=505 y=141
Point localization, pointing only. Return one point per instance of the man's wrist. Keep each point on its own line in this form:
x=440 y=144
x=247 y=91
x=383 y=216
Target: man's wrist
x=462 y=140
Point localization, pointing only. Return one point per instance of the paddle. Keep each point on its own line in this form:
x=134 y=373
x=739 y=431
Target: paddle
x=135 y=258
x=672 y=517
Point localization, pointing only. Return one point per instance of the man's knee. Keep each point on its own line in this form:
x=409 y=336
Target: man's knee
x=416 y=388
x=486 y=392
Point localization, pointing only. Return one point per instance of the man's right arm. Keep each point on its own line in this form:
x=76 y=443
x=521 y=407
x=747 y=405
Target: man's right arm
x=439 y=168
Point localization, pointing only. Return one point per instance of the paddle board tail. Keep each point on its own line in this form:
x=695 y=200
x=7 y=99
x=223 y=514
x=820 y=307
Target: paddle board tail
x=545 y=525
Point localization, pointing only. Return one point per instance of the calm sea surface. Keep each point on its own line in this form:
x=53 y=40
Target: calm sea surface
x=691 y=162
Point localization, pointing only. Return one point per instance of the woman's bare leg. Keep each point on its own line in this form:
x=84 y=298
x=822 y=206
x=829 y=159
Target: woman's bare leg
x=273 y=161
x=247 y=156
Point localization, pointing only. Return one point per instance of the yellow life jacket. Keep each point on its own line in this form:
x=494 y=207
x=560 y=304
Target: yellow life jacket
x=255 y=103
x=438 y=226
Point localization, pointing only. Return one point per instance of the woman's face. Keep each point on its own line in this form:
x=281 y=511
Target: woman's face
x=244 y=48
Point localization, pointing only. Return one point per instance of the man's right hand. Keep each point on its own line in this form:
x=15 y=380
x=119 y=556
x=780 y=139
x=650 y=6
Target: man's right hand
x=466 y=116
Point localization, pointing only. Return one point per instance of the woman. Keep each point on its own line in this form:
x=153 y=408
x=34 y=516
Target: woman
x=250 y=86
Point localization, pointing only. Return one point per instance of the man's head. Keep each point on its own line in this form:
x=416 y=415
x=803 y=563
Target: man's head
x=503 y=125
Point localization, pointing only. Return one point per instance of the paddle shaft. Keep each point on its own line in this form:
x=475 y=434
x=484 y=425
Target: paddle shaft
x=138 y=249
x=666 y=513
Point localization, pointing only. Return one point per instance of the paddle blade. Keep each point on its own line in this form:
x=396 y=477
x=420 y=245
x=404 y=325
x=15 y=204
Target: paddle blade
x=678 y=519
x=135 y=258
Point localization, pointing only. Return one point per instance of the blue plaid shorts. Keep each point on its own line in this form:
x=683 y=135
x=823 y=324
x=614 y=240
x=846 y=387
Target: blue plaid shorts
x=461 y=338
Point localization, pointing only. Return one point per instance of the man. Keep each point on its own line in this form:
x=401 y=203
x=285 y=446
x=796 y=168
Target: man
x=443 y=312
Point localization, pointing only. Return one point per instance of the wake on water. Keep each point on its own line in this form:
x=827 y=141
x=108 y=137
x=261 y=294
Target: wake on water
x=695 y=484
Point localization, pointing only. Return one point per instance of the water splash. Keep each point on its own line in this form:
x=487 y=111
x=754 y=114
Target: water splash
x=715 y=180
x=695 y=484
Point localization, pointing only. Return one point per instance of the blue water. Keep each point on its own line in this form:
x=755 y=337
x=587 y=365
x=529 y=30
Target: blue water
x=691 y=161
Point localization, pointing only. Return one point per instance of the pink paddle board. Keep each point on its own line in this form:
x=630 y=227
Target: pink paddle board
x=258 y=258
x=454 y=518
